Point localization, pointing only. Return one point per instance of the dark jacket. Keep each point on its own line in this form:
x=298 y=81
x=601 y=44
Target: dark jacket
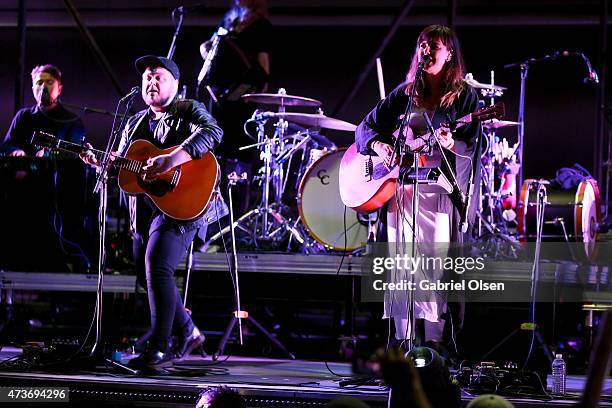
x=383 y=120
x=59 y=122
x=186 y=123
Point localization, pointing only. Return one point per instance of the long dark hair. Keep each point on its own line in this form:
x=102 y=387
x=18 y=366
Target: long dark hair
x=454 y=70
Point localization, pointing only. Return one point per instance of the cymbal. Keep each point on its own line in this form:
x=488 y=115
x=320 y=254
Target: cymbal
x=316 y=120
x=496 y=124
x=280 y=99
x=479 y=85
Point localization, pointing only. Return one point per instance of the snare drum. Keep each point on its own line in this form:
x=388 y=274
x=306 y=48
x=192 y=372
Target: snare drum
x=574 y=213
x=322 y=210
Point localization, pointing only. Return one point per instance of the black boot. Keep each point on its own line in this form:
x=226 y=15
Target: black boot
x=188 y=341
x=153 y=358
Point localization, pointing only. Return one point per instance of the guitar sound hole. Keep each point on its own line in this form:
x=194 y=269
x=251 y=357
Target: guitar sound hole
x=380 y=171
x=157 y=187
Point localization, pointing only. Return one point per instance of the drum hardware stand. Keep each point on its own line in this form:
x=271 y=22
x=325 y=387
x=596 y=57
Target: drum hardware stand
x=532 y=325
x=490 y=195
x=239 y=313
x=270 y=209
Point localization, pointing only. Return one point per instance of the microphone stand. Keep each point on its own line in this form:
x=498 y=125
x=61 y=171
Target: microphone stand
x=453 y=177
x=87 y=109
x=176 y=31
x=399 y=150
x=101 y=187
x=524 y=66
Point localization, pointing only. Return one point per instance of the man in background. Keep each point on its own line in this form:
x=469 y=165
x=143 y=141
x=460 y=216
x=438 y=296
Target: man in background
x=48 y=115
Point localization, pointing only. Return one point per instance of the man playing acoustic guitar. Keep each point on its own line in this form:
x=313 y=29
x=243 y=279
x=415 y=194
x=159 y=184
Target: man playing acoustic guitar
x=160 y=240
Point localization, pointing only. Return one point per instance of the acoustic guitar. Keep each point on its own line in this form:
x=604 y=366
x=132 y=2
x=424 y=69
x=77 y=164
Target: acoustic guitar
x=182 y=193
x=366 y=184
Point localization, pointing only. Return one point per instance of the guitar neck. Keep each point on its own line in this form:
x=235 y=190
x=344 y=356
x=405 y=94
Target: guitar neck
x=421 y=141
x=131 y=165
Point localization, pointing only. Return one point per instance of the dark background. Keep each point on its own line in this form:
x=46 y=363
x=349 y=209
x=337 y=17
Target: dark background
x=319 y=49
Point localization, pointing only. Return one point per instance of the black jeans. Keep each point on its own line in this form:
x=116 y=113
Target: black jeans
x=163 y=249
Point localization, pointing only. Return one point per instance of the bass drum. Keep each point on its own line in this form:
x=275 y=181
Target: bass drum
x=321 y=209
x=570 y=215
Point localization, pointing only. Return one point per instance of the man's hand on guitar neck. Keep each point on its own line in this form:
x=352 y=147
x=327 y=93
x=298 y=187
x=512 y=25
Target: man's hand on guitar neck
x=89 y=157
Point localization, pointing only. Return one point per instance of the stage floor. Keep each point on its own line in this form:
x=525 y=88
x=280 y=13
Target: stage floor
x=263 y=382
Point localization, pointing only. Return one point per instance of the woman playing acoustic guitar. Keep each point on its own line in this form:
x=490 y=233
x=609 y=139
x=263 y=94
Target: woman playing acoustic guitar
x=441 y=94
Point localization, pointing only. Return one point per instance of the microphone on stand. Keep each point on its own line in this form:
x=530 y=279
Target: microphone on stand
x=592 y=77
x=424 y=60
x=133 y=92
x=190 y=9
x=45 y=97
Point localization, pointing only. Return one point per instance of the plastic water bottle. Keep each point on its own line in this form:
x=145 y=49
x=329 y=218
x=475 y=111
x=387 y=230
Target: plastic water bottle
x=558 y=375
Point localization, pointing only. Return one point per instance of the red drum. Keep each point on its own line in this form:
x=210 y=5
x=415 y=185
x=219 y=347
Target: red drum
x=570 y=215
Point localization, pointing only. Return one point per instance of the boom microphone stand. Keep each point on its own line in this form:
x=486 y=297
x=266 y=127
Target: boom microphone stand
x=239 y=313
x=591 y=77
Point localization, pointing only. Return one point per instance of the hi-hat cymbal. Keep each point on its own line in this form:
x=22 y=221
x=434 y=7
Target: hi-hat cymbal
x=280 y=99
x=496 y=124
x=469 y=78
x=316 y=120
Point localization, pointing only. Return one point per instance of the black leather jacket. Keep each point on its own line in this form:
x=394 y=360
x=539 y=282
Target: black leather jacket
x=186 y=123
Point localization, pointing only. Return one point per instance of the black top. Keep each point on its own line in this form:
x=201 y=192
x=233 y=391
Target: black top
x=58 y=121
x=384 y=119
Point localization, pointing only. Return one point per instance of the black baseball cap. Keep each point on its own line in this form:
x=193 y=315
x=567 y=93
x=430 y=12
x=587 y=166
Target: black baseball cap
x=153 y=61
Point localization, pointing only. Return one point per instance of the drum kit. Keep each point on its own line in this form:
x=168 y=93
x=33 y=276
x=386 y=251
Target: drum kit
x=569 y=215
x=321 y=222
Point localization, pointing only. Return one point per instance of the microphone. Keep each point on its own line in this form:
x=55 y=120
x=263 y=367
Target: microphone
x=424 y=60
x=188 y=10
x=133 y=92
x=592 y=77
x=45 y=97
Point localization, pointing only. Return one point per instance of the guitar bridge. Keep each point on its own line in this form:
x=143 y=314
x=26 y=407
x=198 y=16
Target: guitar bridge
x=369 y=167
x=176 y=176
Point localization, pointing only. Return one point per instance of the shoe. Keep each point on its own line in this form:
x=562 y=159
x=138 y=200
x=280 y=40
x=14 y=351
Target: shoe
x=185 y=345
x=152 y=359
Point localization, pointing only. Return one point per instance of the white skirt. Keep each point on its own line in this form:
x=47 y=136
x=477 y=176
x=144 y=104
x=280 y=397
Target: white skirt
x=433 y=227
